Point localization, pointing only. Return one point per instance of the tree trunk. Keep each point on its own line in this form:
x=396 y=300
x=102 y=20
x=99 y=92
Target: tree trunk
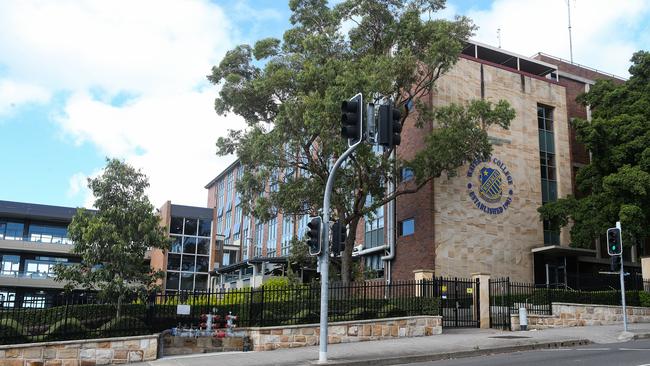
x=346 y=257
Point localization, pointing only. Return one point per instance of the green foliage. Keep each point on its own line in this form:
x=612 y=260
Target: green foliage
x=11 y=332
x=68 y=328
x=617 y=181
x=122 y=326
x=112 y=241
x=289 y=93
x=644 y=299
x=360 y=313
x=391 y=311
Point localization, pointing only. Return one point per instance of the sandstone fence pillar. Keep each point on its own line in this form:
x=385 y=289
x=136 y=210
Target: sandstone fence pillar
x=483 y=297
x=422 y=275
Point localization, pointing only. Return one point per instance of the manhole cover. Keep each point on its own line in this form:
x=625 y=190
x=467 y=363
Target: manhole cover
x=509 y=337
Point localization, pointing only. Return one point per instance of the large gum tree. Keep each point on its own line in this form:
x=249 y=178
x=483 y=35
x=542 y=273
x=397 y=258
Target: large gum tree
x=289 y=92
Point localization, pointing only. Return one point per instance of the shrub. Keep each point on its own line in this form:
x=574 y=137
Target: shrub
x=11 y=332
x=359 y=313
x=391 y=311
x=644 y=299
x=305 y=316
x=124 y=325
x=69 y=328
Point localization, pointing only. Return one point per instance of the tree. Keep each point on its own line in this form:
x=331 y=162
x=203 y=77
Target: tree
x=617 y=181
x=289 y=92
x=112 y=241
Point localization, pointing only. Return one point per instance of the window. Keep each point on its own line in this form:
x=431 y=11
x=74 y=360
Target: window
x=188 y=260
x=287 y=234
x=407 y=174
x=406 y=227
x=548 y=169
x=7 y=298
x=176 y=226
x=220 y=195
x=48 y=234
x=205 y=227
x=10 y=265
x=302 y=226
x=237 y=227
x=374 y=235
x=259 y=234
x=271 y=242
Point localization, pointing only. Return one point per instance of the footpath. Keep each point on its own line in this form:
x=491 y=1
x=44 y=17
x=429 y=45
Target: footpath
x=453 y=343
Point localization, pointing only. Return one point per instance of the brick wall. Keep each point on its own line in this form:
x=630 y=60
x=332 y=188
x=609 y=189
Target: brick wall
x=88 y=352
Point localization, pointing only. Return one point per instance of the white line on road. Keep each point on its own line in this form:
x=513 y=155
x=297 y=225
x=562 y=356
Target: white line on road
x=634 y=349
x=593 y=349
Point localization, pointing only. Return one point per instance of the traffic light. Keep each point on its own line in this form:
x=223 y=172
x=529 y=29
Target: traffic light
x=615 y=263
x=614 y=244
x=389 y=126
x=339 y=234
x=313 y=235
x=352 y=119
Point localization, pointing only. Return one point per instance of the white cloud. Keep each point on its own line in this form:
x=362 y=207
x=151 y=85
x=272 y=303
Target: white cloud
x=604 y=33
x=14 y=94
x=157 y=52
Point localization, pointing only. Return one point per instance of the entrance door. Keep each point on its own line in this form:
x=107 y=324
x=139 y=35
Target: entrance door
x=459 y=302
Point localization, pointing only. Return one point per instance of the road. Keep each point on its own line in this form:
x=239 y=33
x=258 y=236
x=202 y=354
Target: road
x=634 y=353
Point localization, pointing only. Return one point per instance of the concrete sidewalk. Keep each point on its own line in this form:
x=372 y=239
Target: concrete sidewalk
x=453 y=343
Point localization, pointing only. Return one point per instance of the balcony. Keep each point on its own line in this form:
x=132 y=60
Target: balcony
x=35 y=242
x=29 y=279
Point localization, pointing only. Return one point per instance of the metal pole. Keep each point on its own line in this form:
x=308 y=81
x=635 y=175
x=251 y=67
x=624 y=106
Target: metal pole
x=325 y=253
x=622 y=275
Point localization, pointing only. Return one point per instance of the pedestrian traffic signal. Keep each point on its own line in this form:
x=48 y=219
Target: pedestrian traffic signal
x=314 y=235
x=615 y=263
x=389 y=126
x=339 y=234
x=352 y=119
x=614 y=243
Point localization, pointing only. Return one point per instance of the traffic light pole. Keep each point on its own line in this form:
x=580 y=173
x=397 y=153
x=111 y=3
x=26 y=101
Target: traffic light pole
x=622 y=275
x=324 y=258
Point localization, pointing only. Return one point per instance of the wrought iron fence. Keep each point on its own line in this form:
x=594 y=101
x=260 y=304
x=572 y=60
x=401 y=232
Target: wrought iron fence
x=82 y=316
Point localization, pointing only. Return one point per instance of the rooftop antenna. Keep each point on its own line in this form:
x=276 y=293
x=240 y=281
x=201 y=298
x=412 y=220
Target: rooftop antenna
x=568 y=6
x=499 y=36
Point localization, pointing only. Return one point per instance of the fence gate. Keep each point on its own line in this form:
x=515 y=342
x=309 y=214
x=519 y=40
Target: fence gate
x=500 y=303
x=459 y=302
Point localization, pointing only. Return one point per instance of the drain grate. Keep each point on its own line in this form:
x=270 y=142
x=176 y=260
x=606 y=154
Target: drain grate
x=509 y=337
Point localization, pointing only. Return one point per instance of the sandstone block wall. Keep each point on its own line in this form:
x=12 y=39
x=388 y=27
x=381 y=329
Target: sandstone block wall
x=89 y=352
x=271 y=338
x=579 y=315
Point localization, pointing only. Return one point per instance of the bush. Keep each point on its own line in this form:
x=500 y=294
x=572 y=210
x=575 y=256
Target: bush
x=70 y=328
x=11 y=332
x=359 y=313
x=644 y=299
x=391 y=311
x=124 y=325
x=305 y=316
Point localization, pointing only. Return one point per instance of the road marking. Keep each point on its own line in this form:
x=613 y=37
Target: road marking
x=593 y=349
x=635 y=349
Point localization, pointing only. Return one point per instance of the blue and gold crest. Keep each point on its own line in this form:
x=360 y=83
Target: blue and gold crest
x=490 y=188
x=495 y=189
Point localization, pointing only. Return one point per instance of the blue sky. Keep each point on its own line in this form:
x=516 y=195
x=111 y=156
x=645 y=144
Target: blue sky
x=82 y=80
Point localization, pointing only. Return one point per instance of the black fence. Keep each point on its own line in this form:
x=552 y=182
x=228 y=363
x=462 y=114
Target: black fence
x=506 y=297
x=83 y=316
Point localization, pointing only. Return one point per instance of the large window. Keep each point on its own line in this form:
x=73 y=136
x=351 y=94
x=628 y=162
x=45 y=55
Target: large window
x=188 y=261
x=271 y=242
x=259 y=235
x=374 y=227
x=10 y=265
x=406 y=227
x=287 y=235
x=10 y=230
x=48 y=234
x=548 y=168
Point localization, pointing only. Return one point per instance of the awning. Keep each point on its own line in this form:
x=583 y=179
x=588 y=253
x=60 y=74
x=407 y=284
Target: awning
x=564 y=251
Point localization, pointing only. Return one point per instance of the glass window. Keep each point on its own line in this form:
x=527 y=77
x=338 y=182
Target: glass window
x=205 y=226
x=202 y=263
x=177 y=244
x=34 y=301
x=226 y=258
x=176 y=225
x=188 y=263
x=189 y=245
x=407 y=174
x=203 y=246
x=173 y=262
x=191 y=226
x=10 y=265
x=172 y=281
x=187 y=281
x=407 y=227
x=201 y=282
x=272 y=237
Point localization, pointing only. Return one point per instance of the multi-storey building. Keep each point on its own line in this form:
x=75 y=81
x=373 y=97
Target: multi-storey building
x=252 y=250
x=189 y=260
x=33 y=238
x=482 y=217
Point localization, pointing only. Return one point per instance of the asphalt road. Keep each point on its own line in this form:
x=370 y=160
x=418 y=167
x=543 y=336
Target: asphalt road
x=634 y=353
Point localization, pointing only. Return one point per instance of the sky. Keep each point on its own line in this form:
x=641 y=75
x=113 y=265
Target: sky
x=83 y=80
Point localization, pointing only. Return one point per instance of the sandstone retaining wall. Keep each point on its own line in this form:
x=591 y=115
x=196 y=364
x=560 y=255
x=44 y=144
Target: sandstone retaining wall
x=89 y=352
x=290 y=336
x=579 y=315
